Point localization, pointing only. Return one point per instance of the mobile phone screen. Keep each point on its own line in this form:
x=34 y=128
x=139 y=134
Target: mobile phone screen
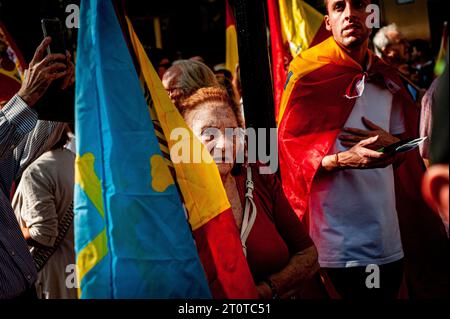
x=403 y=146
x=53 y=28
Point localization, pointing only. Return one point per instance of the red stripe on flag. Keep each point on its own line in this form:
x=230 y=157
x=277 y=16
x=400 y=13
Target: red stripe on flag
x=280 y=55
x=229 y=15
x=221 y=254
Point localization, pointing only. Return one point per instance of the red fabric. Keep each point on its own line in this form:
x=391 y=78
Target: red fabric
x=280 y=53
x=8 y=88
x=277 y=233
x=221 y=254
x=229 y=15
x=321 y=35
x=307 y=133
x=315 y=113
x=14 y=47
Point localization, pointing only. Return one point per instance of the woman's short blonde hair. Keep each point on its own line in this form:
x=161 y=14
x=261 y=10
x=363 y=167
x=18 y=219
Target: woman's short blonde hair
x=211 y=94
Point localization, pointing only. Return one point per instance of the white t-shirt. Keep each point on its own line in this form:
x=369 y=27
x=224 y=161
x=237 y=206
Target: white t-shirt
x=353 y=219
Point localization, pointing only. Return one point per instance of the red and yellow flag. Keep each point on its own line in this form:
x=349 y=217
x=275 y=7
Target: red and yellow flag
x=11 y=66
x=294 y=27
x=231 y=54
x=209 y=212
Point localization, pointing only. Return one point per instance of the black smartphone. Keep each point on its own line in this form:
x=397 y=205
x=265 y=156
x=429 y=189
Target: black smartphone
x=53 y=28
x=403 y=146
x=56 y=104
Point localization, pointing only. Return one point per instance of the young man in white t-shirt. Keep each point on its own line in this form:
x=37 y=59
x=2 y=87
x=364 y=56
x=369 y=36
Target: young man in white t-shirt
x=353 y=217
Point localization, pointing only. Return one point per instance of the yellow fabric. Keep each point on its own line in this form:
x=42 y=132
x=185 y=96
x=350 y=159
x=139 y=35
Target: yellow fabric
x=97 y=249
x=299 y=24
x=441 y=63
x=310 y=60
x=161 y=178
x=161 y=138
x=89 y=182
x=90 y=256
x=232 y=55
x=14 y=74
x=200 y=183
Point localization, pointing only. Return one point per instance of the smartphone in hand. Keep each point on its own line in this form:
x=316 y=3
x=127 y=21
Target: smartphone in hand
x=403 y=146
x=56 y=104
x=53 y=28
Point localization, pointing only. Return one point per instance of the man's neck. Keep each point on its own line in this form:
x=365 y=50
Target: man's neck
x=359 y=54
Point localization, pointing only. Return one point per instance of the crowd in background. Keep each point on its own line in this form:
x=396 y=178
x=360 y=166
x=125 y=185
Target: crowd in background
x=44 y=176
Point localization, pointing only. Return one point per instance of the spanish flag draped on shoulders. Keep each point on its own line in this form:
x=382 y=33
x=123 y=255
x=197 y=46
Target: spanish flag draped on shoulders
x=322 y=87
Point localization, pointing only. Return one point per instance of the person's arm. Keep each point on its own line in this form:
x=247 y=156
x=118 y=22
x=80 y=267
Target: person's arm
x=16 y=120
x=26 y=234
x=359 y=156
x=303 y=263
x=287 y=283
x=362 y=146
x=45 y=133
x=37 y=208
x=16 y=117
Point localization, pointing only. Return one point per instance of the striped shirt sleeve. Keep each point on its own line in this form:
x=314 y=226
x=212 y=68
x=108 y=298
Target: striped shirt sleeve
x=16 y=120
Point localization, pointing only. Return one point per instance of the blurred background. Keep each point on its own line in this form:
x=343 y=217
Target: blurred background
x=183 y=29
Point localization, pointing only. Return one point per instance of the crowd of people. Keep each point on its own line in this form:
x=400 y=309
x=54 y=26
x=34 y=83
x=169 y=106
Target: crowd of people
x=340 y=206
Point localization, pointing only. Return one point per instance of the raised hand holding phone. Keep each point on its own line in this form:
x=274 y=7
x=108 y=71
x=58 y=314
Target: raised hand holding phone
x=58 y=102
x=42 y=71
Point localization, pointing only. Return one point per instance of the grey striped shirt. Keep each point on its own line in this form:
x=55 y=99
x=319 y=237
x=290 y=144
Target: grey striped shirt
x=23 y=138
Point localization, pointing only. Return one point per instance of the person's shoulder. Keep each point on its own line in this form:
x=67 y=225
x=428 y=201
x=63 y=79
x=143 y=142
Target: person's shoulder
x=41 y=160
x=40 y=169
x=309 y=56
x=47 y=161
x=62 y=158
x=66 y=153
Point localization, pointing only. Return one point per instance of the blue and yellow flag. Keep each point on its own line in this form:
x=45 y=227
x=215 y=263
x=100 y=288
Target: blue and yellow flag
x=132 y=239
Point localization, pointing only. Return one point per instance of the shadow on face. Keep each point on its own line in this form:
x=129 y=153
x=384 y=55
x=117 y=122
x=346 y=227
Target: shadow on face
x=214 y=123
x=346 y=19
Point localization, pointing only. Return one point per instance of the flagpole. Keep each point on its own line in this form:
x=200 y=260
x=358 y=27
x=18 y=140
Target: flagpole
x=254 y=62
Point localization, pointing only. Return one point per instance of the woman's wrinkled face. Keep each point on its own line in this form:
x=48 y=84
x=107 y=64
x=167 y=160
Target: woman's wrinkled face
x=214 y=123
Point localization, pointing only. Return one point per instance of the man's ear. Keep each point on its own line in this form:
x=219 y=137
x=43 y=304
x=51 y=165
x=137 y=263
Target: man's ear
x=326 y=18
x=435 y=189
